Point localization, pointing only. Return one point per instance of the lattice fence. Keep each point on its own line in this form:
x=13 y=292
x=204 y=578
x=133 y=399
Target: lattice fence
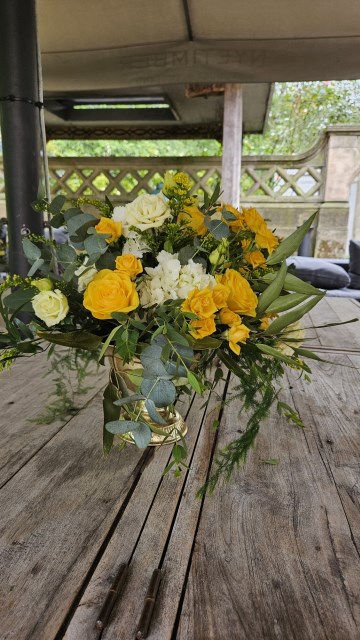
x=122 y=180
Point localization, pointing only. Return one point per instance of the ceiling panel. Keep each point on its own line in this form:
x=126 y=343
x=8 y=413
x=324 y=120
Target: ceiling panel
x=245 y=19
x=80 y=25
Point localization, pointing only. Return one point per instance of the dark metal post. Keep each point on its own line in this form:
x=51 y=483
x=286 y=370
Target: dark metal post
x=20 y=123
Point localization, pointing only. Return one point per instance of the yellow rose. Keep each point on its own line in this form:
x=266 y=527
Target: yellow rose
x=220 y=294
x=110 y=291
x=50 y=306
x=226 y=316
x=201 y=328
x=43 y=284
x=200 y=302
x=237 y=333
x=255 y=258
x=265 y=239
x=128 y=264
x=253 y=219
x=194 y=218
x=239 y=223
x=111 y=227
x=242 y=298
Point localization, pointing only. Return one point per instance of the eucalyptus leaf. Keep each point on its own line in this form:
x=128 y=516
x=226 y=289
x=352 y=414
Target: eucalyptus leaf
x=162 y=392
x=57 y=204
x=31 y=251
x=20 y=299
x=122 y=426
x=288 y=246
x=36 y=266
x=128 y=400
x=95 y=245
x=154 y=415
x=185 y=254
x=57 y=220
x=217 y=228
x=141 y=435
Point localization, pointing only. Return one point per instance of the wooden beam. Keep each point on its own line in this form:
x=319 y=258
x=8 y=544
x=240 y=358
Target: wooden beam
x=231 y=161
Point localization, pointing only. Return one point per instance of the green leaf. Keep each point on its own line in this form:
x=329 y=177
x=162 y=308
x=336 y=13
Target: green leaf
x=206 y=343
x=20 y=299
x=111 y=413
x=78 y=225
x=128 y=400
x=95 y=246
x=106 y=344
x=194 y=382
x=306 y=353
x=35 y=266
x=57 y=204
x=186 y=253
x=140 y=431
x=31 y=251
x=174 y=336
x=288 y=246
x=120 y=317
x=57 y=220
x=217 y=228
x=272 y=461
x=162 y=392
x=287 y=302
x=76 y=339
x=273 y=290
x=274 y=353
x=154 y=415
x=66 y=254
x=292 y=316
x=168 y=246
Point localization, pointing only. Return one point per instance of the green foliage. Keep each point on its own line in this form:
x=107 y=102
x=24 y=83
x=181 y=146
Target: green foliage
x=70 y=369
x=300 y=111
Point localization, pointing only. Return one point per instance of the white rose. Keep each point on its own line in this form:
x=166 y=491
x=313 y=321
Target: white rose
x=119 y=215
x=50 y=306
x=85 y=275
x=147 y=212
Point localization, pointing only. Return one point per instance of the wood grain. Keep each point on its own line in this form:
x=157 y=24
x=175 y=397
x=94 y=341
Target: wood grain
x=277 y=544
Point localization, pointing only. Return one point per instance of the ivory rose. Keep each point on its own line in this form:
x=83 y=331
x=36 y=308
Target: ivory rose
x=84 y=274
x=242 y=298
x=50 y=306
x=147 y=212
x=110 y=291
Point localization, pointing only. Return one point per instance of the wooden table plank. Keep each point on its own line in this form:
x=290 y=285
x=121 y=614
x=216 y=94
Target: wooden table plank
x=25 y=391
x=145 y=539
x=277 y=545
x=57 y=512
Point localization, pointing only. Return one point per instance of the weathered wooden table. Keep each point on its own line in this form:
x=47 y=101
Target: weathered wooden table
x=272 y=555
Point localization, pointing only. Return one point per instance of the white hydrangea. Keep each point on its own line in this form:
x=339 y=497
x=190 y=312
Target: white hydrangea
x=170 y=280
x=135 y=244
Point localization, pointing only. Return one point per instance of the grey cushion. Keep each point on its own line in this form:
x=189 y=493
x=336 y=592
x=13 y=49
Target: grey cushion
x=344 y=293
x=354 y=265
x=320 y=273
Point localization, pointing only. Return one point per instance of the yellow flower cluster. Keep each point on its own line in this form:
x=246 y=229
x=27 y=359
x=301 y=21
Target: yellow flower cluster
x=178 y=184
x=231 y=296
x=250 y=219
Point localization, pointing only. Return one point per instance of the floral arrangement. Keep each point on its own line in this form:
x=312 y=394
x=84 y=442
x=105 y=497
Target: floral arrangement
x=184 y=290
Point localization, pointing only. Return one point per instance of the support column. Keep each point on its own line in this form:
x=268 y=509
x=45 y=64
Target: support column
x=20 y=123
x=232 y=138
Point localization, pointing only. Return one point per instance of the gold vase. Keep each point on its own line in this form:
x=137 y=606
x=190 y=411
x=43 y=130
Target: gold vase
x=131 y=375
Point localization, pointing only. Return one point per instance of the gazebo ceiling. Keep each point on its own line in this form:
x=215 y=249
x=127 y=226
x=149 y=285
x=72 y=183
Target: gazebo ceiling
x=136 y=49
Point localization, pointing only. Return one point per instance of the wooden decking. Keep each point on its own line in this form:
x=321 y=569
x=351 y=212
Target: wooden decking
x=273 y=555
